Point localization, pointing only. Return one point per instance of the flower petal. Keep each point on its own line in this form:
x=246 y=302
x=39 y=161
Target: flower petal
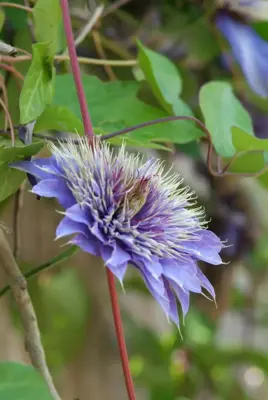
x=205 y=283
x=249 y=49
x=206 y=248
x=68 y=227
x=89 y=245
x=42 y=168
x=172 y=311
x=55 y=188
x=77 y=214
x=118 y=256
x=153 y=266
x=183 y=274
x=183 y=296
x=118 y=270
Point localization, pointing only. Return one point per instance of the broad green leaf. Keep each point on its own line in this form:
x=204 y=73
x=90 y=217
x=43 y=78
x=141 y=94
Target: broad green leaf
x=222 y=113
x=21 y=382
x=17 y=17
x=244 y=141
x=2 y=18
x=22 y=39
x=61 y=38
x=59 y=118
x=10 y=179
x=262 y=29
x=47 y=19
x=162 y=76
x=11 y=154
x=263 y=179
x=114 y=106
x=166 y=83
x=38 y=86
x=248 y=163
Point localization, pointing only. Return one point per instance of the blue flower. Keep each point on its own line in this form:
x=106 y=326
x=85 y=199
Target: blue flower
x=130 y=213
x=249 y=49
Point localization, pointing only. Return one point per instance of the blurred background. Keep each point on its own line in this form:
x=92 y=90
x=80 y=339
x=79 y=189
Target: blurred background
x=223 y=354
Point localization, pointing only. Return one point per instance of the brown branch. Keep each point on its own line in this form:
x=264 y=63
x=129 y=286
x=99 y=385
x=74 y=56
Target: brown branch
x=82 y=60
x=5 y=98
x=8 y=117
x=14 y=5
x=97 y=41
x=18 y=286
x=12 y=70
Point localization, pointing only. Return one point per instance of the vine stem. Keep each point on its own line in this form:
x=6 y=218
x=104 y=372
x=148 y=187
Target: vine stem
x=19 y=289
x=89 y=132
x=82 y=60
x=76 y=70
x=120 y=335
x=14 y=5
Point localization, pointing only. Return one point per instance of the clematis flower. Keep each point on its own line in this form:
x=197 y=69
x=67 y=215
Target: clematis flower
x=130 y=212
x=248 y=48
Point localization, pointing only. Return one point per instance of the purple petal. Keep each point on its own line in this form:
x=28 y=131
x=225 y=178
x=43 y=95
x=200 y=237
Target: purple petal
x=172 y=311
x=206 y=248
x=158 y=291
x=77 y=214
x=183 y=274
x=96 y=231
x=155 y=285
x=106 y=252
x=118 y=270
x=68 y=227
x=35 y=167
x=249 y=49
x=183 y=296
x=153 y=266
x=118 y=256
x=55 y=188
x=89 y=245
x=205 y=283
x=162 y=293
x=209 y=238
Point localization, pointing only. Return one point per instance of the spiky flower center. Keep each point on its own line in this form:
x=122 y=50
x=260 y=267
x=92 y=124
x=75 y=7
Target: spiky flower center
x=137 y=203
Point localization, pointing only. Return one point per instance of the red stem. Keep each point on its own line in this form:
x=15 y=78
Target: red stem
x=89 y=132
x=120 y=335
x=76 y=70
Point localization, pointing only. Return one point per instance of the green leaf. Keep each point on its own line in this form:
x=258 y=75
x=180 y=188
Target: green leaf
x=223 y=112
x=243 y=141
x=47 y=19
x=11 y=154
x=114 y=106
x=61 y=38
x=248 y=163
x=38 y=88
x=10 y=179
x=2 y=18
x=162 y=75
x=59 y=118
x=166 y=83
x=21 y=382
x=17 y=17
